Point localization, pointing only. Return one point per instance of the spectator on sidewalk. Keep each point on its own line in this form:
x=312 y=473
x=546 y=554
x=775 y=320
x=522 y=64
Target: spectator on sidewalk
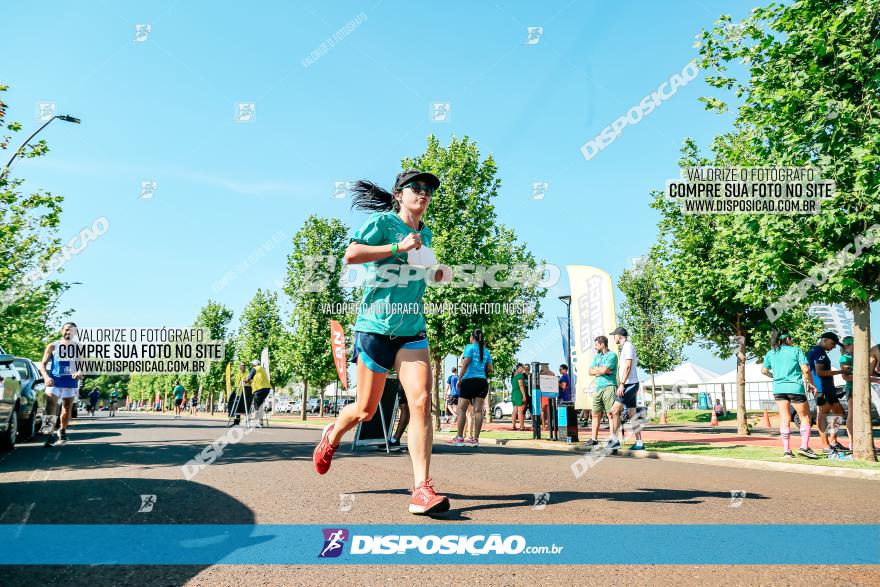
x=452 y=395
x=564 y=384
x=846 y=368
x=240 y=387
x=476 y=366
x=788 y=367
x=518 y=394
x=719 y=409
x=827 y=404
x=604 y=369
x=258 y=379
x=627 y=389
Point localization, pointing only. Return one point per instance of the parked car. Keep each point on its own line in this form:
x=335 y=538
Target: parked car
x=296 y=407
x=505 y=409
x=282 y=407
x=33 y=398
x=337 y=405
x=10 y=401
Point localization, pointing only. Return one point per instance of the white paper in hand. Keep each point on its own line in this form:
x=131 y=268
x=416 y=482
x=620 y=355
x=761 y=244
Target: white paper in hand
x=423 y=257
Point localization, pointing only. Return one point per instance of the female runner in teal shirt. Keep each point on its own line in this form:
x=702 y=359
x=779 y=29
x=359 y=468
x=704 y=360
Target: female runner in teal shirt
x=390 y=328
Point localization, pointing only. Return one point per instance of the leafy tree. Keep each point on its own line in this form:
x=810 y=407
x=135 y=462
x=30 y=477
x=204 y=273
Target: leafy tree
x=466 y=231
x=262 y=327
x=216 y=318
x=646 y=316
x=312 y=283
x=718 y=280
x=28 y=243
x=809 y=97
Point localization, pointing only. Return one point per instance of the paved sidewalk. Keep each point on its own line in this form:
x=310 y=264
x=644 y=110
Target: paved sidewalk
x=724 y=435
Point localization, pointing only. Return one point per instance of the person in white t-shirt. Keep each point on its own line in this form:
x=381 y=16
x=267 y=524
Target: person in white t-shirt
x=627 y=389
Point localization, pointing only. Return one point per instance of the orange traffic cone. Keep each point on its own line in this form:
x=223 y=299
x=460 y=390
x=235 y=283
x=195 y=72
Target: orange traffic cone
x=663 y=418
x=714 y=421
x=765 y=421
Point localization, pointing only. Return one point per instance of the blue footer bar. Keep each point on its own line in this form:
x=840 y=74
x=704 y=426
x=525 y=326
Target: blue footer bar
x=208 y=544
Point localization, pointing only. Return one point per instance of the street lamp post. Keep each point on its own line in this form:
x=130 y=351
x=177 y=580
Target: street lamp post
x=567 y=301
x=572 y=432
x=64 y=117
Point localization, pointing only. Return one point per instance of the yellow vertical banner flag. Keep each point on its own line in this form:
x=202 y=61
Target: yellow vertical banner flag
x=592 y=314
x=228 y=380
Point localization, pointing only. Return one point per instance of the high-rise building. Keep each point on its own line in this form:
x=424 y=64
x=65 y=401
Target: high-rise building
x=835 y=317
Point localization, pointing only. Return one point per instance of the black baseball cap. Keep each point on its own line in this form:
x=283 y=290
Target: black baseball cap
x=831 y=336
x=619 y=330
x=405 y=177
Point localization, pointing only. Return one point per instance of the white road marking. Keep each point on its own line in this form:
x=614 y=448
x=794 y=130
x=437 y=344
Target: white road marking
x=25 y=518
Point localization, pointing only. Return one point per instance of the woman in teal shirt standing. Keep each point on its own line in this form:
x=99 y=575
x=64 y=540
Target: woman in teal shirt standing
x=788 y=367
x=390 y=328
x=475 y=368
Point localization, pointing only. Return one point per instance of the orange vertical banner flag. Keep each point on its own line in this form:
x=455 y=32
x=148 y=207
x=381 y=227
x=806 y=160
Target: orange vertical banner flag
x=337 y=344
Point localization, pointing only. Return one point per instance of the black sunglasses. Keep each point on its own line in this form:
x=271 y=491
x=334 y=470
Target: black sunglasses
x=419 y=187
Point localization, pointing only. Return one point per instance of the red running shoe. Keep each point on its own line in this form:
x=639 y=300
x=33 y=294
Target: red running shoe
x=323 y=452
x=426 y=501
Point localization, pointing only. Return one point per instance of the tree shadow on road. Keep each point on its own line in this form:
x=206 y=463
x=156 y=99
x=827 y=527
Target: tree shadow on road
x=520 y=500
x=127 y=501
x=78 y=456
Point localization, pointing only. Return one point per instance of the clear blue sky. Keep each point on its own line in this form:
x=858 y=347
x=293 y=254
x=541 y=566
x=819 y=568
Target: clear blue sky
x=163 y=110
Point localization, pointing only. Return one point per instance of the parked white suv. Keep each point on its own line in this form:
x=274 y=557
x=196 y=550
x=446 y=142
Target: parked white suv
x=505 y=409
x=10 y=401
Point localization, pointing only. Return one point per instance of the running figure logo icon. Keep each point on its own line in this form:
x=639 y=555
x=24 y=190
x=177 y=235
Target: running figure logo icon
x=147 y=503
x=541 y=500
x=534 y=35
x=346 y=502
x=539 y=189
x=334 y=540
x=736 y=498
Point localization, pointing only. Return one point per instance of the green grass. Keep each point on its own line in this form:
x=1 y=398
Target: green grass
x=756 y=453
x=508 y=434
x=699 y=416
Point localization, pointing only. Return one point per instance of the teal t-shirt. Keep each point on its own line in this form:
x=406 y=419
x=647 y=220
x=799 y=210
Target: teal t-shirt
x=847 y=359
x=609 y=360
x=398 y=309
x=785 y=363
x=477 y=366
x=178 y=392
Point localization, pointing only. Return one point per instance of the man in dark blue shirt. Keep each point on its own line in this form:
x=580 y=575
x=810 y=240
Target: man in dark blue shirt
x=827 y=405
x=564 y=384
x=452 y=394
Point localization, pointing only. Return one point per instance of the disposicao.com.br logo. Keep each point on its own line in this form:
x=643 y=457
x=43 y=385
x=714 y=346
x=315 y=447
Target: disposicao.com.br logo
x=402 y=544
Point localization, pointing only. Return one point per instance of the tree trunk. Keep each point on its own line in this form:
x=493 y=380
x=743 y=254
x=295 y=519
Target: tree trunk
x=653 y=395
x=438 y=378
x=305 y=400
x=321 y=405
x=741 y=424
x=860 y=404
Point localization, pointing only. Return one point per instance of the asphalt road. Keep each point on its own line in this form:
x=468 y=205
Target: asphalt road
x=99 y=476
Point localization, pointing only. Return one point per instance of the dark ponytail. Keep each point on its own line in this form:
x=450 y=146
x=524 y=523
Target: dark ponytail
x=774 y=340
x=368 y=197
x=478 y=336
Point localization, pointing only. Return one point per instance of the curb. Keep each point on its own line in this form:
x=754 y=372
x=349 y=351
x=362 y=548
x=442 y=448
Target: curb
x=865 y=474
